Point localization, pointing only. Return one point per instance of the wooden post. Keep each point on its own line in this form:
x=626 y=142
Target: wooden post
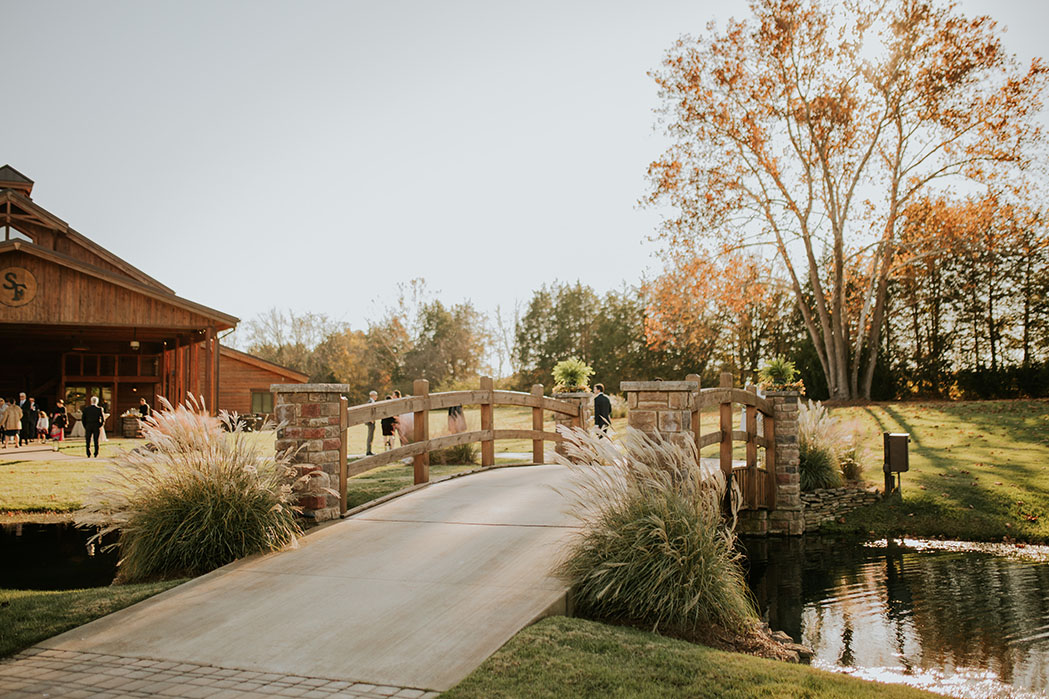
x=726 y=429
x=752 y=452
x=421 y=423
x=537 y=423
x=215 y=375
x=209 y=369
x=344 y=405
x=696 y=431
x=194 y=368
x=487 y=445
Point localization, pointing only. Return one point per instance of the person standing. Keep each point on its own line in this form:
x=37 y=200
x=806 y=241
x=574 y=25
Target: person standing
x=372 y=395
x=12 y=424
x=59 y=422
x=29 y=417
x=388 y=426
x=602 y=408
x=92 y=418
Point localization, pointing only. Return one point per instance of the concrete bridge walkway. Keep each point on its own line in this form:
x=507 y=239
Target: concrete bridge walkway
x=404 y=599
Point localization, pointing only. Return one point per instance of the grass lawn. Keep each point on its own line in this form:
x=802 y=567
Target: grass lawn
x=562 y=657
x=30 y=485
x=978 y=470
x=30 y=616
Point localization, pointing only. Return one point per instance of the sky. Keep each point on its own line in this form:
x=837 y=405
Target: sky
x=312 y=156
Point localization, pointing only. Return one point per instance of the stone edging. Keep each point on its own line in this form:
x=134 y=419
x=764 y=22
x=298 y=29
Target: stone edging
x=827 y=504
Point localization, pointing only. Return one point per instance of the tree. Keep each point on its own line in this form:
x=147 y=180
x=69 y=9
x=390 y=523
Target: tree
x=811 y=127
x=289 y=339
x=728 y=314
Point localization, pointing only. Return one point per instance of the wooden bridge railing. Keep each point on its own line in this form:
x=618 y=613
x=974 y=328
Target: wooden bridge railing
x=486 y=397
x=758 y=477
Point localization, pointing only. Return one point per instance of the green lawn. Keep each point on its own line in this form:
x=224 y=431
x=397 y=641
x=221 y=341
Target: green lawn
x=562 y=657
x=29 y=616
x=979 y=470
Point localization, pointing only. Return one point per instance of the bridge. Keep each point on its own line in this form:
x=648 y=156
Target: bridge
x=404 y=597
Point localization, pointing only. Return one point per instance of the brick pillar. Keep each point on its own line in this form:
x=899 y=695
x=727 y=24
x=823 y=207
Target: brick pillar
x=662 y=408
x=788 y=517
x=308 y=415
x=582 y=399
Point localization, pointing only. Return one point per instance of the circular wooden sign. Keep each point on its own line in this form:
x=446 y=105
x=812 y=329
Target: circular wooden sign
x=17 y=286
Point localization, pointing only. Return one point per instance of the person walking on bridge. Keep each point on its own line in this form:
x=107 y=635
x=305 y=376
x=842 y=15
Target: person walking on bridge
x=602 y=408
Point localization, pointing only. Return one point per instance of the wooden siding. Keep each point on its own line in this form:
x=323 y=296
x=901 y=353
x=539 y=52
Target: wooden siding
x=238 y=379
x=68 y=296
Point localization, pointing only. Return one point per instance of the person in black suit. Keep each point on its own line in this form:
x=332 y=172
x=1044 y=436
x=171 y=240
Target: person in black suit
x=29 y=418
x=91 y=417
x=602 y=408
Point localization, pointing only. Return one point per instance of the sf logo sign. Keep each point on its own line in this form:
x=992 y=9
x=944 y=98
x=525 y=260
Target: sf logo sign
x=17 y=286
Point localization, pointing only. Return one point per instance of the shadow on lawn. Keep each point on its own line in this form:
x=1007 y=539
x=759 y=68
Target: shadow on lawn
x=950 y=493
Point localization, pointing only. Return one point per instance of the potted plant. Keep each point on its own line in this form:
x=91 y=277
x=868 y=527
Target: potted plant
x=780 y=374
x=572 y=375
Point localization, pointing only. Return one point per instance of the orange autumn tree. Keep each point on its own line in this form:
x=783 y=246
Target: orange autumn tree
x=812 y=125
x=723 y=311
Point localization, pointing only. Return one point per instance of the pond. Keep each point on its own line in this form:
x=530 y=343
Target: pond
x=962 y=623
x=52 y=557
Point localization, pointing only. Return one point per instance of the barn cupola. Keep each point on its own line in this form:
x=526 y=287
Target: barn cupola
x=13 y=179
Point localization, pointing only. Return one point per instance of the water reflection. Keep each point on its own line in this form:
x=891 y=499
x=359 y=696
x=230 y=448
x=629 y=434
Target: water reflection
x=51 y=557
x=958 y=623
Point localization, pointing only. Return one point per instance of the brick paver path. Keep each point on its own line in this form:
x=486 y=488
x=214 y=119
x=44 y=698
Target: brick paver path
x=40 y=672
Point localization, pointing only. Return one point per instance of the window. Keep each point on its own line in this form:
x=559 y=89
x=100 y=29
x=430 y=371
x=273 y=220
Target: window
x=261 y=402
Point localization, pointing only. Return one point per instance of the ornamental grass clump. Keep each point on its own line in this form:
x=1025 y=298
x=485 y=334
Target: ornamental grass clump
x=195 y=498
x=827 y=448
x=655 y=549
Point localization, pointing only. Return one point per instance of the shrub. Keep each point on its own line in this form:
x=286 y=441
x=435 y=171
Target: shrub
x=655 y=548
x=572 y=374
x=817 y=468
x=851 y=470
x=195 y=499
x=828 y=449
x=460 y=454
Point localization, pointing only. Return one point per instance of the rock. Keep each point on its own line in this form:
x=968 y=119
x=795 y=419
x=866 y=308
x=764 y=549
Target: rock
x=782 y=637
x=804 y=652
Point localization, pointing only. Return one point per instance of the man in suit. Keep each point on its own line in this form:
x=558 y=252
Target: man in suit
x=602 y=408
x=29 y=418
x=92 y=417
x=372 y=395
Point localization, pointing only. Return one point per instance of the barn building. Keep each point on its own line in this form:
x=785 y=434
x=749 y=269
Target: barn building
x=77 y=321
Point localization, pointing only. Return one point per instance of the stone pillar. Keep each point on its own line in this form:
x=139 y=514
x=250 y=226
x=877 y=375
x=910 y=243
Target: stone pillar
x=788 y=517
x=308 y=418
x=583 y=400
x=662 y=408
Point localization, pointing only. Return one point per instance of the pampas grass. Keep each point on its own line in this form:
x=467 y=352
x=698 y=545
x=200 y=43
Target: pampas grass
x=193 y=499
x=828 y=448
x=655 y=548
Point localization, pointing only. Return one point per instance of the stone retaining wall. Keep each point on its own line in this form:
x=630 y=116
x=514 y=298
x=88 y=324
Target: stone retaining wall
x=827 y=504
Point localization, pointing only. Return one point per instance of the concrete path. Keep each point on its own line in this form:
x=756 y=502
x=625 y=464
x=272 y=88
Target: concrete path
x=410 y=596
x=39 y=452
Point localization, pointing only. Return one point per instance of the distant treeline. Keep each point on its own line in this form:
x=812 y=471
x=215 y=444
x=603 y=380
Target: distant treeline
x=971 y=339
